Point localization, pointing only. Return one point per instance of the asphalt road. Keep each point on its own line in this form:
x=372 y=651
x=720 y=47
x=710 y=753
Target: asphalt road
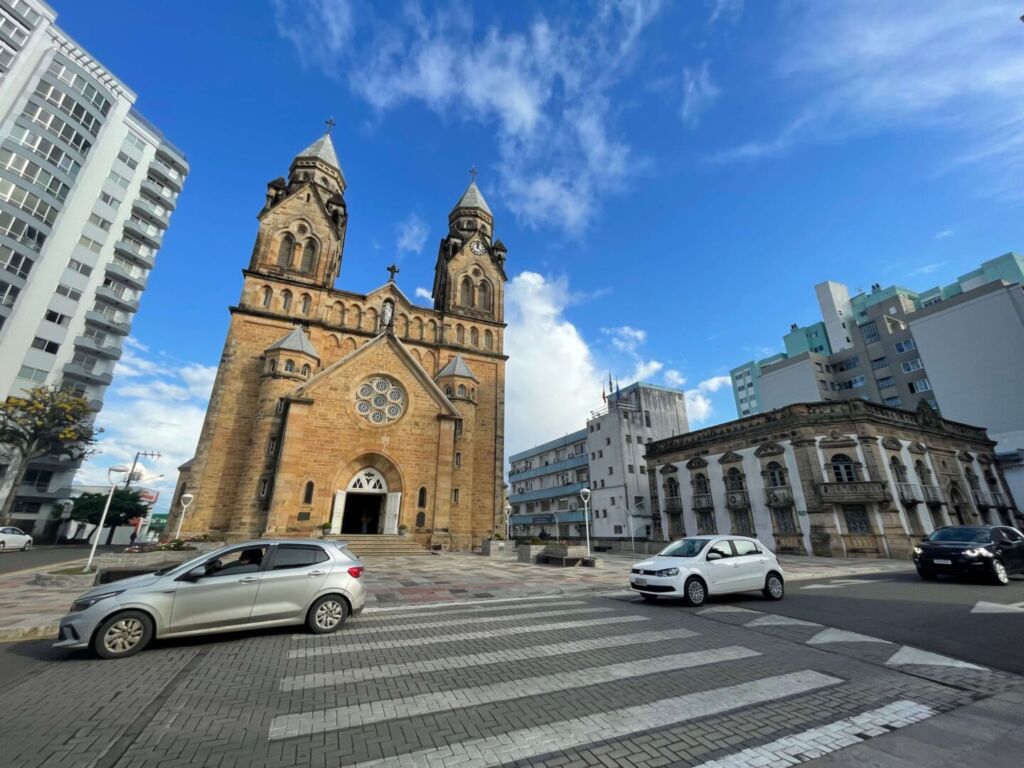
x=935 y=616
x=45 y=555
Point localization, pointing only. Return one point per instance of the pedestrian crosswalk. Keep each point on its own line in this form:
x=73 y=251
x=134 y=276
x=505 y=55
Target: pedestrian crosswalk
x=485 y=685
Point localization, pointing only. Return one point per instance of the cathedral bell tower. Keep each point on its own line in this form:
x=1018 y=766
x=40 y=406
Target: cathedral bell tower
x=302 y=225
x=469 y=279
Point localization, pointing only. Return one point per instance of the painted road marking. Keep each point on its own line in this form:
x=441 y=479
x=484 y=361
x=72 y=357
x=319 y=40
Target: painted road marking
x=841 y=636
x=839 y=583
x=984 y=606
x=384 y=643
x=525 y=653
x=774 y=620
x=815 y=742
x=619 y=723
x=907 y=655
x=470 y=610
x=460 y=620
x=337 y=718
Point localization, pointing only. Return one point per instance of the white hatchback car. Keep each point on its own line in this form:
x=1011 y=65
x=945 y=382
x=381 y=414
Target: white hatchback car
x=694 y=568
x=14 y=538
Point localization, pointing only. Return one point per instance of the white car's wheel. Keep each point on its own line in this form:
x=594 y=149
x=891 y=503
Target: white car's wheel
x=3 y=546
x=695 y=592
x=28 y=546
x=774 y=587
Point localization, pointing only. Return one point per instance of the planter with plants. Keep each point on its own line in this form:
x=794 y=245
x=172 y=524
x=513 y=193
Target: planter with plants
x=528 y=551
x=565 y=549
x=325 y=529
x=403 y=530
x=493 y=546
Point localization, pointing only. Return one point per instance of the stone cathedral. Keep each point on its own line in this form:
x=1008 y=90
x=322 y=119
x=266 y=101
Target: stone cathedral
x=361 y=413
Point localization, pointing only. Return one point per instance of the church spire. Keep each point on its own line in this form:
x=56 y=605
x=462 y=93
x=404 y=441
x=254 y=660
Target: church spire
x=471 y=213
x=319 y=164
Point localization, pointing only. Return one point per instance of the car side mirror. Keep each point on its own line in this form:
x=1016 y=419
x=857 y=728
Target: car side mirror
x=714 y=555
x=195 y=574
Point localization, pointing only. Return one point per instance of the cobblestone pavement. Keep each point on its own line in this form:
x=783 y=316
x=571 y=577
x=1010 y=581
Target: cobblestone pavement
x=567 y=681
x=29 y=610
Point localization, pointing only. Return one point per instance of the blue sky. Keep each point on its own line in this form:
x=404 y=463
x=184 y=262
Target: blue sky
x=671 y=179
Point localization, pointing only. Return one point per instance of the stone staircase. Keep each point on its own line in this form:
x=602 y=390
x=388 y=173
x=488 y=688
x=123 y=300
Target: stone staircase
x=367 y=546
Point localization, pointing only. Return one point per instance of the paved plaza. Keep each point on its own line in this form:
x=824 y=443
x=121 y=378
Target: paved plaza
x=585 y=680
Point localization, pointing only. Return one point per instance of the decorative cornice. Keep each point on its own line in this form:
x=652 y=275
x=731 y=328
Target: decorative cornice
x=669 y=469
x=892 y=444
x=918 y=448
x=965 y=456
x=730 y=457
x=837 y=442
x=769 y=449
x=696 y=463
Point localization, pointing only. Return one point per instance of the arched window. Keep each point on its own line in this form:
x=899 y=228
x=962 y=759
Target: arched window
x=923 y=473
x=462 y=390
x=286 y=300
x=265 y=296
x=285 y=250
x=460 y=334
x=898 y=470
x=484 y=295
x=448 y=390
x=734 y=480
x=843 y=469
x=466 y=292
x=488 y=340
x=474 y=337
x=672 y=488
x=972 y=480
x=289 y=366
x=305 y=370
x=305 y=304
x=775 y=475
x=308 y=257
x=421 y=519
x=700 y=484
x=431 y=330
x=418 y=328
x=307 y=495
x=421 y=500
x=272 y=366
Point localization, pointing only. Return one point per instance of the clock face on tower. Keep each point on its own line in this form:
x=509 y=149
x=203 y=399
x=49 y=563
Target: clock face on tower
x=478 y=248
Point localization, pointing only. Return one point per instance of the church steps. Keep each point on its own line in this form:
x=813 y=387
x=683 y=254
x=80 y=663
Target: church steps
x=381 y=545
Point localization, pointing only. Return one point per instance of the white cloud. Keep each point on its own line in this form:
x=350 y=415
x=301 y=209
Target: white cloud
x=423 y=293
x=926 y=269
x=935 y=65
x=699 y=406
x=319 y=29
x=674 y=378
x=544 y=87
x=411 y=234
x=626 y=338
x=552 y=384
x=726 y=10
x=645 y=369
x=699 y=93
x=153 y=405
x=943 y=234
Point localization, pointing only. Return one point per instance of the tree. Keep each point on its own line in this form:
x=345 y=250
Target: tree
x=47 y=421
x=124 y=507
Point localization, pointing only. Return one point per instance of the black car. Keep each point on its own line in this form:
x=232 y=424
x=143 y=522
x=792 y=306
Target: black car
x=991 y=551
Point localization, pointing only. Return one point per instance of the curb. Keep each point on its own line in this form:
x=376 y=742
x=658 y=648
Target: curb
x=36 y=632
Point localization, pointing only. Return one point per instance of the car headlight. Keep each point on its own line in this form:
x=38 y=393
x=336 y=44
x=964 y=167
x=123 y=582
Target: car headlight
x=979 y=552
x=668 y=572
x=89 y=602
x=918 y=550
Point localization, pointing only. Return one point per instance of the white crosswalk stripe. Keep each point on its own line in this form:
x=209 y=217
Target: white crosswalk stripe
x=815 y=742
x=387 y=615
x=414 y=626
x=336 y=718
x=378 y=645
x=463 y=661
x=619 y=723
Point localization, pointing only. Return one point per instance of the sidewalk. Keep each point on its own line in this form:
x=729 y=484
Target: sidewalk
x=31 y=608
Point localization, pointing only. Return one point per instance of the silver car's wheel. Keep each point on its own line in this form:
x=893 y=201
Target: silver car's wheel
x=123 y=634
x=999 y=572
x=28 y=546
x=327 y=614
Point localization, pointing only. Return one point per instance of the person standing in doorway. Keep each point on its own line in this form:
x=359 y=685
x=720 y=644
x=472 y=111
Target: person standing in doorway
x=366 y=522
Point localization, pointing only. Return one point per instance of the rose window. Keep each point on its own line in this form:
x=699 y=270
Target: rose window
x=380 y=400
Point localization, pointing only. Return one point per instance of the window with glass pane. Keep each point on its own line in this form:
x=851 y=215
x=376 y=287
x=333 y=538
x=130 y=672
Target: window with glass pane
x=857 y=520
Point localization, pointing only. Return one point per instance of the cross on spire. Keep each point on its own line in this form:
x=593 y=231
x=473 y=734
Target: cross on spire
x=393 y=270
x=329 y=122
x=472 y=173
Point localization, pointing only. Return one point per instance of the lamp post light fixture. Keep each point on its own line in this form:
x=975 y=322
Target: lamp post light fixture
x=116 y=470
x=186 y=499
x=585 y=495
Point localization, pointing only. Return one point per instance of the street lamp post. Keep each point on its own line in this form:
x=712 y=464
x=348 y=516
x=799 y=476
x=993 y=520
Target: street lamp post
x=508 y=523
x=585 y=495
x=118 y=470
x=186 y=500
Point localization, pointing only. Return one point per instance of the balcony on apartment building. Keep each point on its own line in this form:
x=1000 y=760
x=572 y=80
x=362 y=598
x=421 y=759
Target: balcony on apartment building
x=989 y=498
x=673 y=504
x=141 y=252
x=89 y=343
x=78 y=371
x=157 y=213
x=853 y=492
x=165 y=173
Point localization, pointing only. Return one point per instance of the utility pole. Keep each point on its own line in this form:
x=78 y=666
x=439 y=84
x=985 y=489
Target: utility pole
x=131 y=472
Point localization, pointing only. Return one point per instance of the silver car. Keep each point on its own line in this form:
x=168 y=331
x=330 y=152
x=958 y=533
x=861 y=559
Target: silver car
x=241 y=586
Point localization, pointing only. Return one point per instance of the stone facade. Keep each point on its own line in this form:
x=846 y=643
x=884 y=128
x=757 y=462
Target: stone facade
x=358 y=412
x=832 y=478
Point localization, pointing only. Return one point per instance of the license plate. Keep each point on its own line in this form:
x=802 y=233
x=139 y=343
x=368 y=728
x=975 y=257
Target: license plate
x=641 y=582
x=943 y=562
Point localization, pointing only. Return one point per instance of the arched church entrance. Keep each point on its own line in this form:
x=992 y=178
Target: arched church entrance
x=366 y=506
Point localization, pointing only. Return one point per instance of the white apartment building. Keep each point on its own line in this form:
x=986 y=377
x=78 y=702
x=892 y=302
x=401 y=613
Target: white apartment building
x=87 y=187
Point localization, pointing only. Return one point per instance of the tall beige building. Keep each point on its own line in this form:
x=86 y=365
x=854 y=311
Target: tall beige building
x=365 y=413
